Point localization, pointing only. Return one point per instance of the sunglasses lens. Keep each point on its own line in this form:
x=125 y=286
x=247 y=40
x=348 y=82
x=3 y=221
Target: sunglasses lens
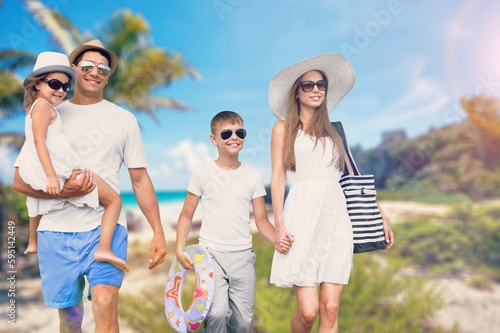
x=241 y=133
x=87 y=66
x=321 y=85
x=226 y=134
x=55 y=84
x=307 y=86
x=104 y=70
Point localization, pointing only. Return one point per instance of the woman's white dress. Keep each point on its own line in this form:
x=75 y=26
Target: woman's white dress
x=64 y=159
x=315 y=213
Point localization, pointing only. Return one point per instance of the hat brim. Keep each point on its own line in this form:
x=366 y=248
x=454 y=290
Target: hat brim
x=86 y=47
x=51 y=69
x=338 y=71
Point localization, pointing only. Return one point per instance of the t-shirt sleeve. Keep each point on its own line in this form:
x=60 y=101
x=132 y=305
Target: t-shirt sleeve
x=194 y=185
x=134 y=155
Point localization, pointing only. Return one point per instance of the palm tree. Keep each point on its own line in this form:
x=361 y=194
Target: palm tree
x=142 y=68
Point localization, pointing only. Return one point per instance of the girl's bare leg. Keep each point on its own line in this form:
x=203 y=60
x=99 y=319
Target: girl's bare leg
x=33 y=238
x=112 y=204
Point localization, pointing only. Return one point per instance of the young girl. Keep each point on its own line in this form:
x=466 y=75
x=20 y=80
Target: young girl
x=46 y=159
x=307 y=152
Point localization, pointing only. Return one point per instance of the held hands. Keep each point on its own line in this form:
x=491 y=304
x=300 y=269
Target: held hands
x=283 y=239
x=80 y=183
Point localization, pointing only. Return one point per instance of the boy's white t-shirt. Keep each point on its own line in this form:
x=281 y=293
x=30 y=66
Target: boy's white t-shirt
x=105 y=136
x=226 y=201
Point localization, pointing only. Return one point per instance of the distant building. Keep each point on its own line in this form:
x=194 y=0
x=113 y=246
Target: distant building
x=390 y=138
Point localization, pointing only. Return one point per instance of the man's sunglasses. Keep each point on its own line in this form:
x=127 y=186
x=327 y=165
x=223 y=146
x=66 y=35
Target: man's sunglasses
x=308 y=86
x=227 y=133
x=88 y=65
x=56 y=84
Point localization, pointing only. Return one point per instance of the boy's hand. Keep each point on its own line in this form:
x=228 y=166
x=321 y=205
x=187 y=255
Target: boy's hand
x=185 y=261
x=284 y=245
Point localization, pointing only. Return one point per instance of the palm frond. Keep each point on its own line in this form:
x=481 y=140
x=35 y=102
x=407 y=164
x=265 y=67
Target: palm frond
x=63 y=32
x=13 y=140
x=11 y=95
x=10 y=59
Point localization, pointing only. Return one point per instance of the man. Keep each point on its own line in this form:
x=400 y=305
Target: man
x=105 y=135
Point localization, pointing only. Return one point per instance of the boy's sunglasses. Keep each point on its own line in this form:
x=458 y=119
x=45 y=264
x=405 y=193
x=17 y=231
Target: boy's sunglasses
x=88 y=65
x=56 y=84
x=227 y=133
x=308 y=86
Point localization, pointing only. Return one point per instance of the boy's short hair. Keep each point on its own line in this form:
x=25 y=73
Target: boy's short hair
x=224 y=116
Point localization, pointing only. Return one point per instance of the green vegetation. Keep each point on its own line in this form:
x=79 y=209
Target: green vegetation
x=468 y=239
x=377 y=299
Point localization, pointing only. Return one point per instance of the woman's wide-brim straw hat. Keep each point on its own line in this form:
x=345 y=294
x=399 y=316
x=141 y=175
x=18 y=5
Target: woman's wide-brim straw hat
x=50 y=62
x=338 y=71
x=94 y=44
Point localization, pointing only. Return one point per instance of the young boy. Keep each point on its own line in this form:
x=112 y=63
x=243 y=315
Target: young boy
x=227 y=188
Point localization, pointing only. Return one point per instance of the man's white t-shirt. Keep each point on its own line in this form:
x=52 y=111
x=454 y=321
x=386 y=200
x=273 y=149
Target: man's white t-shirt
x=226 y=199
x=105 y=136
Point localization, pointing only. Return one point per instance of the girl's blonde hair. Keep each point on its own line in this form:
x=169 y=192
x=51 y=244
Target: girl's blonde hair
x=320 y=127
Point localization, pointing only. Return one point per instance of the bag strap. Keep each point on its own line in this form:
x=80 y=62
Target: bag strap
x=350 y=164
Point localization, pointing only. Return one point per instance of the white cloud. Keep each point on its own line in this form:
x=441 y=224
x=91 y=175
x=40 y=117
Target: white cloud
x=189 y=155
x=422 y=96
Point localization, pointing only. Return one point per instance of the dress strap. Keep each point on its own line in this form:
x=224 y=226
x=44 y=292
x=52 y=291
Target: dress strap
x=36 y=101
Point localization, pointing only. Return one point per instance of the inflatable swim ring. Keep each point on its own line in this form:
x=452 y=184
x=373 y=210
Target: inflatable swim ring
x=190 y=320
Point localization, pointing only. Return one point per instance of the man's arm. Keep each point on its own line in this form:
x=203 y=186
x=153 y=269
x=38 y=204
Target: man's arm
x=80 y=183
x=148 y=203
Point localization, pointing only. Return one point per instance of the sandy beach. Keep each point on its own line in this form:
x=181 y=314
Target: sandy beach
x=475 y=310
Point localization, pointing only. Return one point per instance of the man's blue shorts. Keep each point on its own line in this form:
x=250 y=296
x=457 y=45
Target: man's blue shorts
x=66 y=257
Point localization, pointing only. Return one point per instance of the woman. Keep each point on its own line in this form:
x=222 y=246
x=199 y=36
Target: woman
x=307 y=152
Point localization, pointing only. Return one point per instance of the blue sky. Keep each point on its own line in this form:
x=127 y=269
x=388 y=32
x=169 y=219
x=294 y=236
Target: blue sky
x=413 y=60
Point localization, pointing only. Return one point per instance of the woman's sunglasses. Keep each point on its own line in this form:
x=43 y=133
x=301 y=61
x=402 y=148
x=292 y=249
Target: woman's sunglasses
x=308 y=86
x=56 y=84
x=88 y=65
x=227 y=133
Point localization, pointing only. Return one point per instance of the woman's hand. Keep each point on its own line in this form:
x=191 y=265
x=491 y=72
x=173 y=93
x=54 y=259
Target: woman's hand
x=283 y=239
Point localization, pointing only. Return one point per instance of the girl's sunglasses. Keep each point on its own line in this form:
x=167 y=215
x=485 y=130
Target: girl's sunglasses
x=56 y=84
x=227 y=133
x=88 y=65
x=308 y=86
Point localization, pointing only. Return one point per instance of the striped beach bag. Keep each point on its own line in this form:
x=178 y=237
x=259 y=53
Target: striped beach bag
x=360 y=194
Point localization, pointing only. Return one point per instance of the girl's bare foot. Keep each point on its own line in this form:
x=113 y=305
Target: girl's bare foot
x=111 y=258
x=31 y=249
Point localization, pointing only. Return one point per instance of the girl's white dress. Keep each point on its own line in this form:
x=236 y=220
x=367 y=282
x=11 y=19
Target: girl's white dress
x=64 y=159
x=315 y=213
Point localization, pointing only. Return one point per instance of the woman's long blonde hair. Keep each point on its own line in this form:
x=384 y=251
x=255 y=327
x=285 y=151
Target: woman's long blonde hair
x=320 y=127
